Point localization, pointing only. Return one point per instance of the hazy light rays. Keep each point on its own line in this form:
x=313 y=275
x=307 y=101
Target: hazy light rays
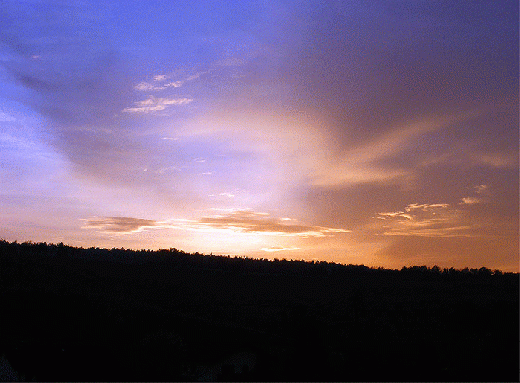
x=28 y=165
x=364 y=161
x=324 y=113
x=289 y=146
x=264 y=156
x=208 y=169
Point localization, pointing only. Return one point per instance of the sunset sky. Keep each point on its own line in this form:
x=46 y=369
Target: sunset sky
x=382 y=133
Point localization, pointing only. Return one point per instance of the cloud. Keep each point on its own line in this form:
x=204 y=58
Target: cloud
x=119 y=224
x=497 y=160
x=195 y=76
x=154 y=104
x=425 y=220
x=479 y=189
x=232 y=61
x=279 y=248
x=146 y=86
x=174 y=84
x=225 y=194
x=4 y=117
x=482 y=191
x=330 y=116
x=160 y=77
x=240 y=221
x=470 y=200
x=229 y=195
x=370 y=161
x=248 y=221
x=159 y=82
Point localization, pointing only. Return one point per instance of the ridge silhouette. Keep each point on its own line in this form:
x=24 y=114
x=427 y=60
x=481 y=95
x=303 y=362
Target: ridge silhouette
x=122 y=315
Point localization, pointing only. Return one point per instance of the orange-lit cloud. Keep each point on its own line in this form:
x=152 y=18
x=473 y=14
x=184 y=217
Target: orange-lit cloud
x=497 y=160
x=425 y=220
x=471 y=200
x=481 y=189
x=279 y=248
x=119 y=224
x=325 y=112
x=240 y=221
x=365 y=162
x=248 y=221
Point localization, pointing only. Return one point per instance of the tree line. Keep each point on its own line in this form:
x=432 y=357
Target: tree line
x=90 y=314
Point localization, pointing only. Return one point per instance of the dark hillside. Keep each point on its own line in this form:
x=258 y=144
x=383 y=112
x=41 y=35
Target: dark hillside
x=118 y=315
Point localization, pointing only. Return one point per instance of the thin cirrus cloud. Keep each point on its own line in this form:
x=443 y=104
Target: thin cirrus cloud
x=156 y=104
x=248 y=221
x=365 y=162
x=426 y=220
x=146 y=86
x=497 y=160
x=479 y=189
x=483 y=193
x=273 y=249
x=119 y=224
x=470 y=200
x=323 y=111
x=159 y=82
x=240 y=221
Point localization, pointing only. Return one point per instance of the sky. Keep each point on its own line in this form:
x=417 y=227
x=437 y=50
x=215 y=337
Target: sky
x=382 y=133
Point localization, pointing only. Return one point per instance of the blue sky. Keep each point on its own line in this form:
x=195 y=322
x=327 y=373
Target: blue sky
x=383 y=133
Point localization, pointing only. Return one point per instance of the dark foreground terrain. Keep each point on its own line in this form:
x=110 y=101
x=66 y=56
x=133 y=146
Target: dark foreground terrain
x=72 y=314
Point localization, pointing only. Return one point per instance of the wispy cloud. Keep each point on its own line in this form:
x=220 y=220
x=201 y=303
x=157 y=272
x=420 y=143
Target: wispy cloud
x=365 y=162
x=229 y=195
x=4 y=117
x=240 y=221
x=482 y=192
x=279 y=248
x=119 y=224
x=232 y=61
x=248 y=221
x=497 y=160
x=146 y=86
x=160 y=77
x=155 y=104
x=159 y=82
x=425 y=220
x=225 y=194
x=480 y=189
x=470 y=200
x=174 y=84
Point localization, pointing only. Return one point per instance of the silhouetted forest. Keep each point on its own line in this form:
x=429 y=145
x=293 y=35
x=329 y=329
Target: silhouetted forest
x=75 y=314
